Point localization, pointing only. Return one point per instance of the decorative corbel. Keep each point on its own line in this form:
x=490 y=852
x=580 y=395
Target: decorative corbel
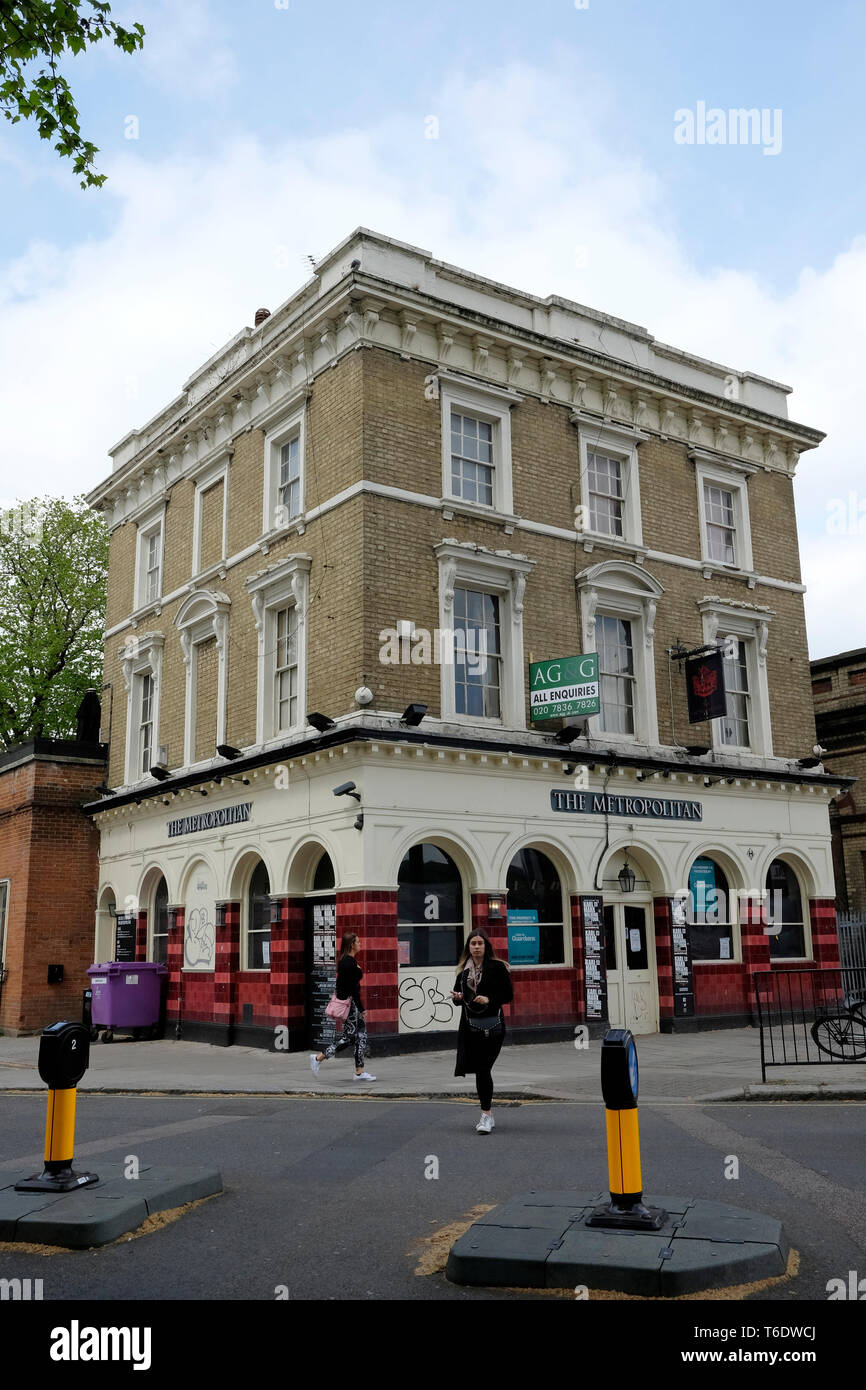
x=649 y=626
x=352 y=322
x=639 y=412
x=449 y=575
x=186 y=648
x=588 y=605
x=609 y=396
x=695 y=426
x=763 y=634
x=518 y=589
x=480 y=355
x=667 y=421
x=221 y=629
x=328 y=338
x=446 y=343
x=408 y=329
x=579 y=384
x=712 y=627
x=747 y=442
x=771 y=451
x=515 y=367
x=547 y=377
x=371 y=318
x=720 y=436
x=793 y=456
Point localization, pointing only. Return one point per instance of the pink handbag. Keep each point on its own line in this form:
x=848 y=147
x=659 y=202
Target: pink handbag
x=338 y=1008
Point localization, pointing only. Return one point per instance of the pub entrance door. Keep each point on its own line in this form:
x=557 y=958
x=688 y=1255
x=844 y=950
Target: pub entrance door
x=632 y=992
x=321 y=968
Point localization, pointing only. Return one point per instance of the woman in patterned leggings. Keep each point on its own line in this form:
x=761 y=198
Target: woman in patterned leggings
x=354 y=1034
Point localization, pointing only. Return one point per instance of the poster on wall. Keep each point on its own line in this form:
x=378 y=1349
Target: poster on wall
x=199 y=931
x=594 y=969
x=681 y=955
x=124 y=936
x=323 y=972
x=524 y=936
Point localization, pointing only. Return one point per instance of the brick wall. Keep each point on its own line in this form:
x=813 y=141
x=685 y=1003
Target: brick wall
x=49 y=853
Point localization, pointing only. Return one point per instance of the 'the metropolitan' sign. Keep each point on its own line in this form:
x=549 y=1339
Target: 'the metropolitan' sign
x=210 y=820
x=565 y=687
x=648 y=807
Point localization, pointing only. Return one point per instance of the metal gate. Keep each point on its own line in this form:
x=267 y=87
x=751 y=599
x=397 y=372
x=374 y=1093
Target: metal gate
x=811 y=1017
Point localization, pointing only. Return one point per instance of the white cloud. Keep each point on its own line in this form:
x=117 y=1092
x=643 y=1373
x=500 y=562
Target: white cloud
x=99 y=336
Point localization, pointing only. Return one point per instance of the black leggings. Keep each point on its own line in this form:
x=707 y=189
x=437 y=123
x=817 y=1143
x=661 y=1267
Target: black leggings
x=484 y=1084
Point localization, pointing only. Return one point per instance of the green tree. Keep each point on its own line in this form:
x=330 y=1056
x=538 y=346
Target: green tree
x=34 y=29
x=53 y=566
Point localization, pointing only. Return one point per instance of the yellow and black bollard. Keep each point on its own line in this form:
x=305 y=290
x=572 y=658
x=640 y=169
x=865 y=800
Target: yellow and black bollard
x=64 y=1055
x=619 y=1087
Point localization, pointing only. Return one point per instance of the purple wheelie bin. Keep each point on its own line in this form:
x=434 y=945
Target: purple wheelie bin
x=126 y=995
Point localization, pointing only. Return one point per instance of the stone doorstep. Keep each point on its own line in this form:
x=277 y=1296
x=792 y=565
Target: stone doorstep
x=539 y=1240
x=92 y=1216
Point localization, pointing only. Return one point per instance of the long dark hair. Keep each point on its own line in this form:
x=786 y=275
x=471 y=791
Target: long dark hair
x=348 y=941
x=489 y=950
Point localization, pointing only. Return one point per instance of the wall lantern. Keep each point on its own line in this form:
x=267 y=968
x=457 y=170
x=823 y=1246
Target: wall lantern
x=626 y=878
x=495 y=907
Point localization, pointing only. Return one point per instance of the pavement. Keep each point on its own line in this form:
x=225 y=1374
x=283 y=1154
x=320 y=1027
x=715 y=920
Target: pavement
x=724 y=1065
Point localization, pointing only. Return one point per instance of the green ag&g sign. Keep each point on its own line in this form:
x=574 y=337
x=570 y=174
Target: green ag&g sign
x=565 y=687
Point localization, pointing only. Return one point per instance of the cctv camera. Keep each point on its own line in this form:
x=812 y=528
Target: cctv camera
x=344 y=789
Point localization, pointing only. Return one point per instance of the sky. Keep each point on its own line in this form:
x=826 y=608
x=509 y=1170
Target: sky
x=564 y=147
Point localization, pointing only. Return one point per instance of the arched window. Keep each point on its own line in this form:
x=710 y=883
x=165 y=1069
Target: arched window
x=710 y=913
x=535 y=913
x=259 y=920
x=429 y=908
x=785 y=911
x=159 y=924
x=323 y=879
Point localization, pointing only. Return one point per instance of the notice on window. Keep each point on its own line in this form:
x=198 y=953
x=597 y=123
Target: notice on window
x=680 y=947
x=266 y=953
x=593 y=971
x=681 y=967
x=593 y=1003
x=725 y=948
x=634 y=941
x=593 y=942
x=404 y=949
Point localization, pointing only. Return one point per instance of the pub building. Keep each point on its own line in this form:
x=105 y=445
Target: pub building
x=406 y=590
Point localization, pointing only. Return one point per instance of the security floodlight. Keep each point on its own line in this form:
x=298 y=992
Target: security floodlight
x=226 y=750
x=413 y=714
x=347 y=789
x=569 y=732
x=321 y=722
x=159 y=772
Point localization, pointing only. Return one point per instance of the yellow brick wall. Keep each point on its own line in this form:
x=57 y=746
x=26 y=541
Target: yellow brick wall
x=206 y=657
x=211 y=523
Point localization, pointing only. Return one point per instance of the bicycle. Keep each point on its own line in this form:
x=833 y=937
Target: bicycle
x=843 y=1035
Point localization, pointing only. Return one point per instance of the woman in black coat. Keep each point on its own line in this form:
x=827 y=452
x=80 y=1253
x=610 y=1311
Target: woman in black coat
x=482 y=986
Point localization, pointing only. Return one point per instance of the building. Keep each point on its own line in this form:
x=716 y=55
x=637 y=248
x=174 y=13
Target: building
x=333 y=558
x=49 y=871
x=839 y=691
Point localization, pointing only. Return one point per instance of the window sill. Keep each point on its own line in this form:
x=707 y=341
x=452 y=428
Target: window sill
x=591 y=539
x=296 y=527
x=217 y=570
x=455 y=506
x=153 y=609
x=710 y=568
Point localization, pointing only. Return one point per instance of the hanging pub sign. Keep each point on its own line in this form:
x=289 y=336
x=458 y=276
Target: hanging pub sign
x=594 y=965
x=705 y=687
x=565 y=687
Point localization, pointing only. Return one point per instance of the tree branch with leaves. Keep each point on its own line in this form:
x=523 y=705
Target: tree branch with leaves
x=46 y=29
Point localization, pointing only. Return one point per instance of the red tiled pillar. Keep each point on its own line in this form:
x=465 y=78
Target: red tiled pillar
x=174 y=960
x=825 y=938
x=226 y=963
x=495 y=927
x=373 y=915
x=755 y=944
x=141 y=936
x=295 y=1009
x=664 y=958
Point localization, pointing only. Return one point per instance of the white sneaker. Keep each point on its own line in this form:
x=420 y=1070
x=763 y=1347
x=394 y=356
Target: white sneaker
x=364 y=1076
x=314 y=1064
x=485 y=1124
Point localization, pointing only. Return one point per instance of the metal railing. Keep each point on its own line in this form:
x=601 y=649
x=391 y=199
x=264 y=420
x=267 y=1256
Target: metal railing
x=813 y=1017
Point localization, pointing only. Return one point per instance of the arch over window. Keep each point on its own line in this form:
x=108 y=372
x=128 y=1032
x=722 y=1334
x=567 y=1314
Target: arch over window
x=324 y=878
x=535 y=912
x=429 y=908
x=258 y=923
x=710 y=913
x=785 y=910
x=159 y=924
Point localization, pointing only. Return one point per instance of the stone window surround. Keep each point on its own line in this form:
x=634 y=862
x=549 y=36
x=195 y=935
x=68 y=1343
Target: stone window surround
x=501 y=573
x=733 y=476
x=208 y=478
x=151 y=523
x=204 y=614
x=618 y=589
x=140 y=656
x=750 y=623
x=492 y=405
x=621 y=442
x=290 y=422
x=281 y=585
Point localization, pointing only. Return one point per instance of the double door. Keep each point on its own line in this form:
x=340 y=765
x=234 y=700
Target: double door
x=632 y=993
